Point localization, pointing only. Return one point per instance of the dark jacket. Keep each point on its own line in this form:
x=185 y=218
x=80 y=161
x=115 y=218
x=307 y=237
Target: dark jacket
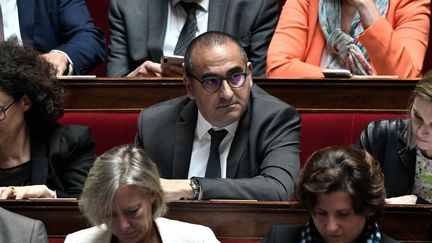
x=263 y=161
x=61 y=157
x=385 y=141
x=63 y=25
x=138 y=29
x=292 y=234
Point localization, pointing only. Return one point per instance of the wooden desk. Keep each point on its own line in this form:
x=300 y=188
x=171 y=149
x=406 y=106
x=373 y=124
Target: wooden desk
x=230 y=220
x=314 y=95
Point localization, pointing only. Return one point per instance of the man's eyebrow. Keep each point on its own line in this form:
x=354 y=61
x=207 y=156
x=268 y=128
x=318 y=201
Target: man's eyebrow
x=230 y=71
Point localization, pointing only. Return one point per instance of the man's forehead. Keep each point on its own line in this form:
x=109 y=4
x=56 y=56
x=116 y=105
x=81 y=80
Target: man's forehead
x=218 y=57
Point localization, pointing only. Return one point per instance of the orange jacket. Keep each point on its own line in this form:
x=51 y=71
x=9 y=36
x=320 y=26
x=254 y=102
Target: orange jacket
x=396 y=44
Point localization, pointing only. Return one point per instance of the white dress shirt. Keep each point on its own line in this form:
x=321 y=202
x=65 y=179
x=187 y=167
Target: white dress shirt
x=201 y=147
x=176 y=20
x=10 y=19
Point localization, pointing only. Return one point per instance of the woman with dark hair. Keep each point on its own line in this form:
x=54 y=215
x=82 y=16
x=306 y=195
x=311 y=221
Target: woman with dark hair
x=39 y=158
x=125 y=186
x=403 y=147
x=343 y=190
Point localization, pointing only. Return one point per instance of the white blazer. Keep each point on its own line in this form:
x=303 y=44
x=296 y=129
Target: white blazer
x=171 y=231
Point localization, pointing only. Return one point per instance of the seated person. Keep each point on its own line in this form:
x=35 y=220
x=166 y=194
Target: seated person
x=228 y=138
x=403 y=147
x=17 y=228
x=367 y=37
x=62 y=30
x=142 y=31
x=343 y=190
x=123 y=197
x=39 y=158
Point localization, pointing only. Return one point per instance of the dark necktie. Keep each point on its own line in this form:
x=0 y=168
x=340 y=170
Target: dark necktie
x=189 y=29
x=1 y=26
x=213 y=169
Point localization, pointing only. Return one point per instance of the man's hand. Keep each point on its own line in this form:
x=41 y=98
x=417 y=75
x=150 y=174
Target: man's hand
x=407 y=199
x=153 y=69
x=147 y=69
x=20 y=192
x=58 y=60
x=176 y=189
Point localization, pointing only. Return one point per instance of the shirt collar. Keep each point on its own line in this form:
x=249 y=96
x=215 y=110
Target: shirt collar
x=203 y=126
x=203 y=4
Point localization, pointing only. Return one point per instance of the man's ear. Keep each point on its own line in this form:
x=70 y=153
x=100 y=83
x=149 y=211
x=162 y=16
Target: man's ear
x=27 y=102
x=250 y=70
x=189 y=87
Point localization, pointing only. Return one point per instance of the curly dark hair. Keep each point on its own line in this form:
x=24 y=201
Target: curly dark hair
x=24 y=73
x=346 y=169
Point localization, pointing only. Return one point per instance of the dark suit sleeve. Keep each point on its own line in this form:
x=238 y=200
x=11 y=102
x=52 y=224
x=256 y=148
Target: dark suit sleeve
x=118 y=62
x=38 y=232
x=261 y=35
x=72 y=156
x=275 y=142
x=84 y=43
x=283 y=234
x=270 y=236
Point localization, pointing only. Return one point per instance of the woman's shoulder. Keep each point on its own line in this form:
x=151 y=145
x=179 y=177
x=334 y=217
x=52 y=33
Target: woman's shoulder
x=386 y=239
x=396 y=126
x=179 y=232
x=56 y=130
x=96 y=234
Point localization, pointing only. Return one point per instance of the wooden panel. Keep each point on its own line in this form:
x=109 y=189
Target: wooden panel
x=230 y=220
x=316 y=95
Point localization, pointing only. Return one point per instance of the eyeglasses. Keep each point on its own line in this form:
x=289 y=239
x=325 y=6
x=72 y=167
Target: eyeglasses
x=213 y=84
x=3 y=110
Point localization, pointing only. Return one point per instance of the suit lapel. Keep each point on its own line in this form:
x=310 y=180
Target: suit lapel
x=239 y=145
x=39 y=160
x=157 y=18
x=217 y=12
x=185 y=130
x=26 y=10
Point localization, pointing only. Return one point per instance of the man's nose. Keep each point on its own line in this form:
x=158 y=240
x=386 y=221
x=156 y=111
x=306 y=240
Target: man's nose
x=225 y=91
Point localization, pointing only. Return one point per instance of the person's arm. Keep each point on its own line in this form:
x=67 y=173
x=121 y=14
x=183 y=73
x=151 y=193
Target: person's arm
x=118 y=61
x=75 y=151
x=287 y=50
x=38 y=232
x=278 y=151
x=399 y=48
x=261 y=35
x=374 y=139
x=85 y=43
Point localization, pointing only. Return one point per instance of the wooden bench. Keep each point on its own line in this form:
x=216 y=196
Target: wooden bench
x=230 y=220
x=307 y=95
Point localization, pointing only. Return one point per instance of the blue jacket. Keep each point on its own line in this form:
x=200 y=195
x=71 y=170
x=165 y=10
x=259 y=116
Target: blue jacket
x=63 y=25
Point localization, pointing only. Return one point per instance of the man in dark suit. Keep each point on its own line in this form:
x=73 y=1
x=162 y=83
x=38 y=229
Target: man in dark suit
x=61 y=29
x=17 y=228
x=258 y=158
x=143 y=30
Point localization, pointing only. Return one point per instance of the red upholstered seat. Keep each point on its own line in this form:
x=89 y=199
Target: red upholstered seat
x=108 y=129
x=318 y=129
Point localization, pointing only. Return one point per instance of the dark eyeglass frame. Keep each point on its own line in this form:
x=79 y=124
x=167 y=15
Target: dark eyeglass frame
x=221 y=79
x=4 y=109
